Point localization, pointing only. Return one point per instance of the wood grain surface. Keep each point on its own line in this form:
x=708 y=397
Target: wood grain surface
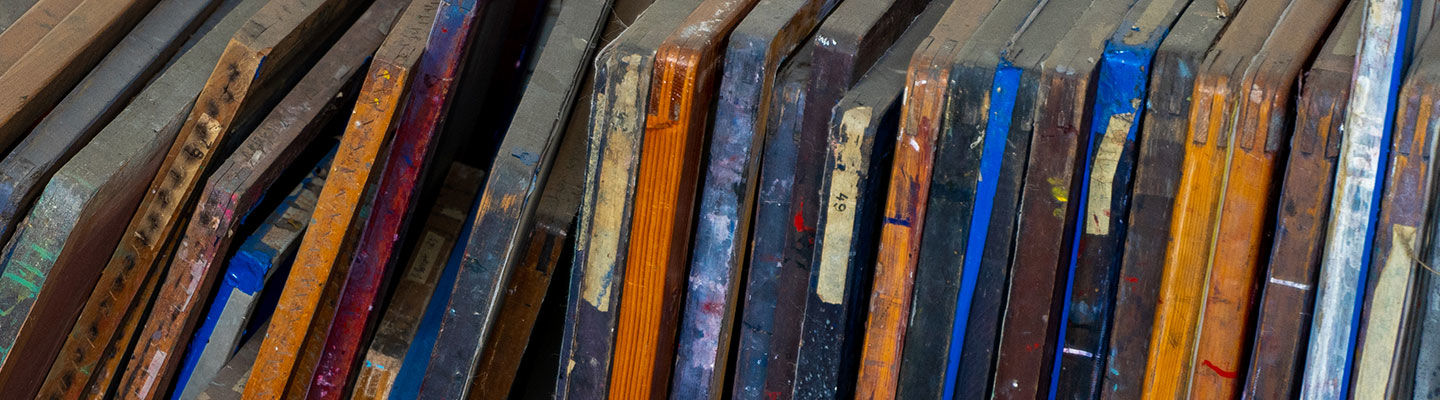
x=850 y=41
x=1289 y=283
x=668 y=175
x=545 y=226
x=229 y=383
x=1156 y=180
x=1263 y=118
x=249 y=271
x=765 y=358
x=616 y=128
x=30 y=27
x=1104 y=198
x=508 y=203
x=854 y=151
x=83 y=205
x=400 y=68
x=1386 y=41
x=752 y=58
x=102 y=94
x=40 y=78
x=11 y=10
x=1218 y=88
x=1383 y=344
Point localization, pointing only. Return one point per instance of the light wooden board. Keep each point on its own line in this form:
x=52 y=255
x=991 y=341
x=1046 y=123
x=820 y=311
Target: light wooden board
x=30 y=27
x=11 y=10
x=39 y=79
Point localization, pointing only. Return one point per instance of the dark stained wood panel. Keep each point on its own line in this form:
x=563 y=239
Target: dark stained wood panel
x=102 y=94
x=508 y=201
x=40 y=78
x=1218 y=88
x=84 y=202
x=752 y=58
x=1382 y=346
x=1104 y=197
x=1156 y=179
x=774 y=290
x=1263 y=119
x=616 y=129
x=668 y=175
x=857 y=168
x=1286 y=292
x=949 y=82
x=851 y=40
x=246 y=275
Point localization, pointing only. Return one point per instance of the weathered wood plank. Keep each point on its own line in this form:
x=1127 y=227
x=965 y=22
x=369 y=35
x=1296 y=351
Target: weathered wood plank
x=850 y=41
x=617 y=122
x=1157 y=175
x=1027 y=104
x=857 y=171
x=1382 y=343
x=508 y=204
x=407 y=168
x=668 y=174
x=11 y=10
x=1262 y=120
x=39 y=79
x=30 y=27
x=943 y=69
x=406 y=384
x=774 y=291
x=1315 y=143
x=324 y=262
x=1386 y=41
x=397 y=328
x=101 y=183
x=1218 y=88
x=766 y=37
x=1423 y=337
x=101 y=95
x=229 y=382
x=248 y=272
x=1104 y=197
x=183 y=169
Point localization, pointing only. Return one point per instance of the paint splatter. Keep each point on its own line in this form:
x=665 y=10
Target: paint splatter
x=1132 y=279
x=1223 y=373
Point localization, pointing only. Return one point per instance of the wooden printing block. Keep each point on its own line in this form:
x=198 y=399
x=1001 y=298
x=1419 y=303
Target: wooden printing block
x=96 y=100
x=1025 y=100
x=11 y=10
x=855 y=122
x=31 y=26
x=852 y=39
x=442 y=228
x=616 y=127
x=509 y=199
x=419 y=151
x=178 y=183
x=1218 y=89
x=929 y=346
x=667 y=179
x=866 y=131
x=1090 y=258
x=101 y=183
x=765 y=358
x=417 y=285
x=543 y=154
x=1385 y=345
x=1156 y=179
x=1262 y=124
x=1104 y=200
x=1295 y=257
x=229 y=382
x=769 y=35
x=1386 y=42
x=292 y=344
x=40 y=78
x=248 y=272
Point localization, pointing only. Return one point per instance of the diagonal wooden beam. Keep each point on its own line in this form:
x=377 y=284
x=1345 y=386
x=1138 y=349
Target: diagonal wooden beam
x=30 y=28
